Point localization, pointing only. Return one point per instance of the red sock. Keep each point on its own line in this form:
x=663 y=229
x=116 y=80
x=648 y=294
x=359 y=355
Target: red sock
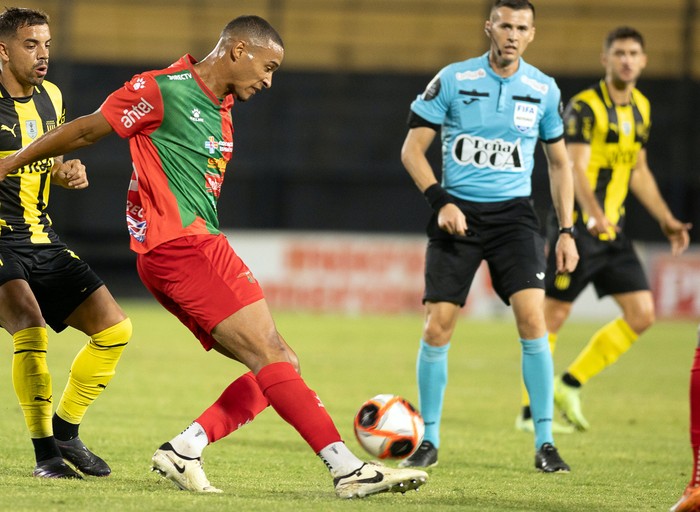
x=297 y=404
x=695 y=416
x=240 y=402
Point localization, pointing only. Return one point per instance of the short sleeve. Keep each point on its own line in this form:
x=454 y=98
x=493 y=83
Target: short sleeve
x=579 y=120
x=433 y=104
x=645 y=131
x=551 y=125
x=135 y=108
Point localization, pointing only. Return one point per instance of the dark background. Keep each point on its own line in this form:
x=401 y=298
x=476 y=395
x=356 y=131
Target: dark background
x=320 y=151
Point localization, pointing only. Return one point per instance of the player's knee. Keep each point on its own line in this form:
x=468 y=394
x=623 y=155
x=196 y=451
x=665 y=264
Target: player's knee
x=641 y=319
x=531 y=326
x=24 y=320
x=275 y=350
x=555 y=314
x=436 y=332
x=114 y=337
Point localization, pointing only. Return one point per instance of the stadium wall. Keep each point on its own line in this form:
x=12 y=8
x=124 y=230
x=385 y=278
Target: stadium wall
x=359 y=273
x=320 y=151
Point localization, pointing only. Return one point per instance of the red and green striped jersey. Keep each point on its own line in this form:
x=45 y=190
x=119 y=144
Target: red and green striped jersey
x=181 y=138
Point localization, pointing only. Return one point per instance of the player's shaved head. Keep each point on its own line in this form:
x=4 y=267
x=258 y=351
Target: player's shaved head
x=253 y=29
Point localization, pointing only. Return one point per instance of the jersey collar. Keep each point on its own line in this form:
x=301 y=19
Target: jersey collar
x=487 y=66
x=188 y=61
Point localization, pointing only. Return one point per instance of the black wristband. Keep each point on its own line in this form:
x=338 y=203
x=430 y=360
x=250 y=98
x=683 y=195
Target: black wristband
x=437 y=197
x=569 y=231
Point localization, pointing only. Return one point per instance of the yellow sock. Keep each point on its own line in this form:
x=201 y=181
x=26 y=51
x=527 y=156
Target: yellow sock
x=525 y=399
x=32 y=381
x=91 y=371
x=604 y=348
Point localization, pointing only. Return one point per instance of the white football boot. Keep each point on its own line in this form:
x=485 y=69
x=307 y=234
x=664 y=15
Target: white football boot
x=186 y=473
x=373 y=478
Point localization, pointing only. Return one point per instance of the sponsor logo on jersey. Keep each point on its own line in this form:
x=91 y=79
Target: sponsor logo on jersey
x=214 y=183
x=223 y=146
x=495 y=154
x=217 y=163
x=180 y=76
x=196 y=116
x=38 y=167
x=137 y=229
x=138 y=111
x=524 y=116
x=471 y=75
x=30 y=128
x=212 y=145
x=140 y=83
x=538 y=86
x=134 y=222
x=50 y=125
x=617 y=156
x=249 y=276
x=432 y=90
x=5 y=128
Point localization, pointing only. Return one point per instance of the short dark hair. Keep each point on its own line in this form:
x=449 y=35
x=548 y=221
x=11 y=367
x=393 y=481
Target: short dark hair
x=255 y=28
x=516 y=5
x=623 y=33
x=14 y=18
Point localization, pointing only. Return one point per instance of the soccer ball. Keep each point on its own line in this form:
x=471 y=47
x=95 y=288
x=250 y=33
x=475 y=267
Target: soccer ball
x=389 y=427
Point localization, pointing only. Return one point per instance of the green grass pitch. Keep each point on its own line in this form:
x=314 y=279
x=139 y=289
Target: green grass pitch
x=635 y=458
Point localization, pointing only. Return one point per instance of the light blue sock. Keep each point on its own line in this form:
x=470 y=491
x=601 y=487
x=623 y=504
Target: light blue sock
x=538 y=374
x=431 y=371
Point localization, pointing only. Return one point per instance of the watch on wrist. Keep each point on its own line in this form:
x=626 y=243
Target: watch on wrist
x=567 y=230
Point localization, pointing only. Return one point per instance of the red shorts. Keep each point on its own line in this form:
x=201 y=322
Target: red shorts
x=200 y=280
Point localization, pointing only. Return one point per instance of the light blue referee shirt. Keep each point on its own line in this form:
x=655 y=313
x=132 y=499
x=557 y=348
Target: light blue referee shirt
x=490 y=126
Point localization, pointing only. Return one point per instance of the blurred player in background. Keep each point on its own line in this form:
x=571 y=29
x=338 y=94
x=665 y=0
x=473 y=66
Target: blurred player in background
x=178 y=121
x=607 y=129
x=491 y=111
x=690 y=499
x=41 y=280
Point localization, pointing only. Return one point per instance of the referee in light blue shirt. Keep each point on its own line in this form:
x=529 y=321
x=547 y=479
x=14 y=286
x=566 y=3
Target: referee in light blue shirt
x=490 y=111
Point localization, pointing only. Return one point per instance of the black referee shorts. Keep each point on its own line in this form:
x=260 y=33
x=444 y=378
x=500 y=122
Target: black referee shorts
x=505 y=234
x=59 y=279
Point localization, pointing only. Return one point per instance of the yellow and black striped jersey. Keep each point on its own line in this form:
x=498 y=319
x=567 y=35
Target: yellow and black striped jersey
x=24 y=194
x=616 y=134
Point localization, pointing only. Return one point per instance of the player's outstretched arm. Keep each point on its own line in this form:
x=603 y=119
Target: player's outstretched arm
x=561 y=184
x=643 y=186
x=68 y=137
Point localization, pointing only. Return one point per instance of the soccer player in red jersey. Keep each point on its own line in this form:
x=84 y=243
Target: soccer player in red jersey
x=690 y=499
x=178 y=122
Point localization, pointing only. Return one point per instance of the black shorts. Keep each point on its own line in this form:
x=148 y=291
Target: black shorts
x=612 y=266
x=506 y=234
x=59 y=279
